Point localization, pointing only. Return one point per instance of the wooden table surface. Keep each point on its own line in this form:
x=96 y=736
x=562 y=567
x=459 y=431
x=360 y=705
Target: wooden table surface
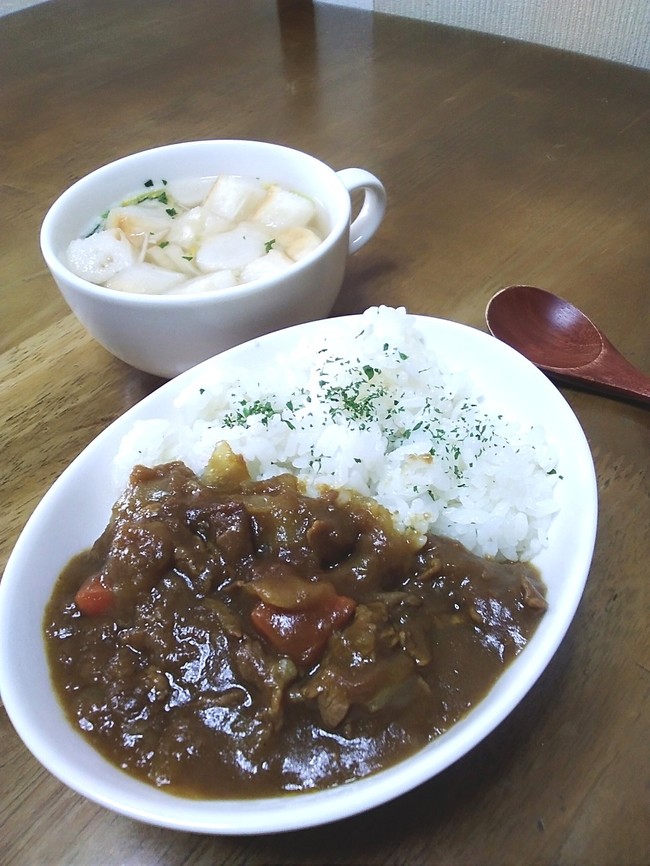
x=504 y=163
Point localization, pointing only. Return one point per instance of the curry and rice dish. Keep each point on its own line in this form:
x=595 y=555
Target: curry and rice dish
x=228 y=638
x=306 y=577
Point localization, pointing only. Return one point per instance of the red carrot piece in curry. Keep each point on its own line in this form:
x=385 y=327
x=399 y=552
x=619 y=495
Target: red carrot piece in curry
x=93 y=598
x=302 y=634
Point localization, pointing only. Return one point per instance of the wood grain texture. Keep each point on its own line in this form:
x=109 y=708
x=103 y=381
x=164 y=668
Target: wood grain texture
x=504 y=163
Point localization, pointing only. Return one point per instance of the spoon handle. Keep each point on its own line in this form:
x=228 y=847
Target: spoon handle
x=610 y=373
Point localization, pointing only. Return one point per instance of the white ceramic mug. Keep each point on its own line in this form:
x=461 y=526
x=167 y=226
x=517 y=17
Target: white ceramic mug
x=167 y=334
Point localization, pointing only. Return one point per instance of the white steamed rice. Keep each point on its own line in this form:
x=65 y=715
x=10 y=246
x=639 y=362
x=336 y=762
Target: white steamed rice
x=378 y=414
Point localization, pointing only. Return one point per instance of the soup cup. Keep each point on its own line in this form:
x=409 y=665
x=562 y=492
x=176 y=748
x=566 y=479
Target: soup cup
x=166 y=334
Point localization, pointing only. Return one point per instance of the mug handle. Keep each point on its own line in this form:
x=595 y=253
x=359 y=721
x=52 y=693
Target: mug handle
x=372 y=210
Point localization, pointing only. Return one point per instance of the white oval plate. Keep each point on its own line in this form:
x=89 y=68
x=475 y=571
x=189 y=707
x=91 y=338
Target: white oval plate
x=77 y=507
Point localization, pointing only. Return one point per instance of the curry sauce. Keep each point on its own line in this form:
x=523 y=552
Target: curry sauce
x=234 y=638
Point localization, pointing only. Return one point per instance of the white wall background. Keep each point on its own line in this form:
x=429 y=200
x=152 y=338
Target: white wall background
x=616 y=30
x=7 y=6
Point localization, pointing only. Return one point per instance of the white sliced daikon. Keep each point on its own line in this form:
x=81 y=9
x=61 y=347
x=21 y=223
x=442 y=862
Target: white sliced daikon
x=297 y=242
x=100 y=256
x=284 y=209
x=139 y=221
x=144 y=278
x=268 y=265
x=190 y=191
x=175 y=228
x=235 y=198
x=193 y=226
x=233 y=249
x=187 y=229
x=213 y=224
x=173 y=257
x=206 y=283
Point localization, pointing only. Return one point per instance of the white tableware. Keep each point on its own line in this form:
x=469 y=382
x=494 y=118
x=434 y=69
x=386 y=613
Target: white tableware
x=167 y=334
x=76 y=509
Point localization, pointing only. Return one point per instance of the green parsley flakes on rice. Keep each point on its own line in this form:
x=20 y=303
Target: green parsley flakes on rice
x=381 y=415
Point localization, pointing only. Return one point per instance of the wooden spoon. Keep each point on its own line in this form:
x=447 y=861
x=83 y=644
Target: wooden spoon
x=559 y=339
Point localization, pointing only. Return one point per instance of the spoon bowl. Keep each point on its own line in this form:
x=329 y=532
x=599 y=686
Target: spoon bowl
x=563 y=342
